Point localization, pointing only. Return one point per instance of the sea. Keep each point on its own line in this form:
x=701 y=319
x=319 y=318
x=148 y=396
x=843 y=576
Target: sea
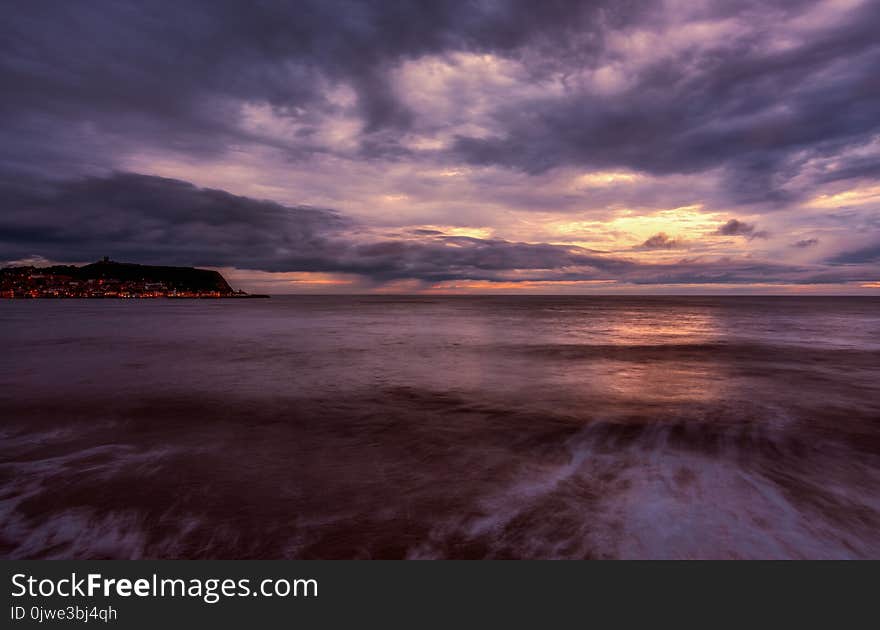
x=441 y=427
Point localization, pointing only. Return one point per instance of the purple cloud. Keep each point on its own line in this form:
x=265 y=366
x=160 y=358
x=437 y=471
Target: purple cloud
x=442 y=113
x=735 y=227
x=661 y=241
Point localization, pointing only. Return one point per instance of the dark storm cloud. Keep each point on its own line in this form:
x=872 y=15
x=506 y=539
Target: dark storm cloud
x=78 y=77
x=869 y=254
x=147 y=219
x=458 y=257
x=757 y=115
x=158 y=220
x=84 y=81
x=735 y=227
x=754 y=112
x=426 y=232
x=807 y=242
x=661 y=240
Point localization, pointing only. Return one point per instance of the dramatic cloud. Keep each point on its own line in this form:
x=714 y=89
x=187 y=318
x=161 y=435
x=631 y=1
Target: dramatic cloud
x=661 y=241
x=151 y=219
x=453 y=139
x=190 y=73
x=158 y=220
x=734 y=227
x=869 y=254
x=147 y=219
x=717 y=90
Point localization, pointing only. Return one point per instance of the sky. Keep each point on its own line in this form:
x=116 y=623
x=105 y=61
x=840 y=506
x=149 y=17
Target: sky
x=610 y=146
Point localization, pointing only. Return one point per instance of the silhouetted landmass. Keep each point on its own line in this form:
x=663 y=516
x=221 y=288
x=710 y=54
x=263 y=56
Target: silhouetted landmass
x=107 y=278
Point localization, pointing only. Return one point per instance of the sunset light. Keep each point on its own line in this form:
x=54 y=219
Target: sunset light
x=308 y=280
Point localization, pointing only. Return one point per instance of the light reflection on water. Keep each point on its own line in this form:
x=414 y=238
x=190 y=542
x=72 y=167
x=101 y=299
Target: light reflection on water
x=441 y=427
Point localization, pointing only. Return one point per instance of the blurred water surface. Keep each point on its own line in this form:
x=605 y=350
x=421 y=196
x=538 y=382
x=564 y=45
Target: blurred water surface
x=409 y=427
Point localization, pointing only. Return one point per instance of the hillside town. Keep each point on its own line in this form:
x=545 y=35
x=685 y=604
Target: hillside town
x=31 y=283
x=108 y=279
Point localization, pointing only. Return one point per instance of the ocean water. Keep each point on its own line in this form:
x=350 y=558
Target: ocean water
x=441 y=427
